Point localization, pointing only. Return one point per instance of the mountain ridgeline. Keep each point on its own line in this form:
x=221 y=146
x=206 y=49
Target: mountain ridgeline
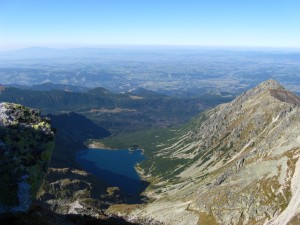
x=54 y=100
x=117 y=112
x=235 y=164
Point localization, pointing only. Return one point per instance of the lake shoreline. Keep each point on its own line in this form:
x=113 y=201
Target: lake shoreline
x=98 y=145
x=118 y=168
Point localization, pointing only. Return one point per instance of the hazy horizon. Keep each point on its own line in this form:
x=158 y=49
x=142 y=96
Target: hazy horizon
x=159 y=47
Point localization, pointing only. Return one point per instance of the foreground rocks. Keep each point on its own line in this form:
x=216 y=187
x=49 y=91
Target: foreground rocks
x=73 y=191
x=26 y=144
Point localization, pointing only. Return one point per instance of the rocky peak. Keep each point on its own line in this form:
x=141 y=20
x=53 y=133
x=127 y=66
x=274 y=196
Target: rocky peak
x=255 y=93
x=276 y=90
x=240 y=163
x=279 y=92
x=269 y=84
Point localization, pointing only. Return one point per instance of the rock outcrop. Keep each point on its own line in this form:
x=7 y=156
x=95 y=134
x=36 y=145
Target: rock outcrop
x=240 y=164
x=72 y=191
x=26 y=144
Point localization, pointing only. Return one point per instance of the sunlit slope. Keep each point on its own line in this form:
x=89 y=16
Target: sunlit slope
x=235 y=164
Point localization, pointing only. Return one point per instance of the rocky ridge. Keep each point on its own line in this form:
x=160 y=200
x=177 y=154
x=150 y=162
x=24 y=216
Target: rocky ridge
x=26 y=144
x=241 y=165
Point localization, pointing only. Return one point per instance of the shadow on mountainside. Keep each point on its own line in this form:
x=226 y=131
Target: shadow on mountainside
x=39 y=215
x=72 y=130
x=130 y=188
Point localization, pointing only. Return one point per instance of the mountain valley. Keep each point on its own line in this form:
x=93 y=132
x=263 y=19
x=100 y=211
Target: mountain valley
x=149 y=112
x=237 y=163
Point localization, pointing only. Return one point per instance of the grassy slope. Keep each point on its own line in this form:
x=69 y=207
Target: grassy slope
x=151 y=141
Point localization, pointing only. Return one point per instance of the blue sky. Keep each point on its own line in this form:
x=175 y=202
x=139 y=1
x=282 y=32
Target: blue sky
x=95 y=23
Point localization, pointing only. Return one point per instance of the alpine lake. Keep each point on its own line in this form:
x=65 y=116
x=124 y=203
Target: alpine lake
x=115 y=167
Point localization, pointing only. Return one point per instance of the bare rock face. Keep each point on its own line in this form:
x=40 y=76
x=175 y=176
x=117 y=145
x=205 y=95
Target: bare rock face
x=241 y=164
x=72 y=191
x=26 y=143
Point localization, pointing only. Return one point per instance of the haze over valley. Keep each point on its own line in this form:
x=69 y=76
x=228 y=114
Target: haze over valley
x=177 y=71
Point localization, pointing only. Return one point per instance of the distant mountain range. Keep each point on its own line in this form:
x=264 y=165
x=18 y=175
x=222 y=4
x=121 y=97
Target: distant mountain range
x=42 y=52
x=48 y=86
x=116 y=112
x=108 y=52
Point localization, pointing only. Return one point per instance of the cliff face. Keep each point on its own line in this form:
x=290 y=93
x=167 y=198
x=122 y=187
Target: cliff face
x=26 y=143
x=241 y=164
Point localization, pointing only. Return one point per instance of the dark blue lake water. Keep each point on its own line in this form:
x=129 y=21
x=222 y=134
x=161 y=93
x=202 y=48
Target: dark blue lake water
x=115 y=167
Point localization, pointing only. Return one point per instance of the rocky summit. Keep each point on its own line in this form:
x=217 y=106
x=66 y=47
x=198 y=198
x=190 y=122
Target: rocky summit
x=26 y=143
x=239 y=165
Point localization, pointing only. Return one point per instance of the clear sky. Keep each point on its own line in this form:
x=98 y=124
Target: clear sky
x=91 y=23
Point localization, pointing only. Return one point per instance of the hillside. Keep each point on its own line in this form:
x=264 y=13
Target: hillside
x=235 y=164
x=115 y=112
x=53 y=101
x=72 y=130
x=28 y=195
x=26 y=144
